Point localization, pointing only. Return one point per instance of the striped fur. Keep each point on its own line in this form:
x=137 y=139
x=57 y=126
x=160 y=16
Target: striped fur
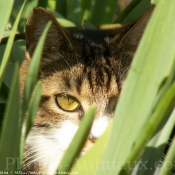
x=91 y=66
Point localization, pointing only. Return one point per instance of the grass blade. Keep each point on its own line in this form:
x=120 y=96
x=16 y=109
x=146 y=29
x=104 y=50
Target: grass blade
x=89 y=163
x=103 y=11
x=33 y=107
x=73 y=11
x=138 y=11
x=155 y=149
x=61 y=7
x=33 y=69
x=170 y=158
x=42 y=3
x=78 y=142
x=163 y=108
x=126 y=11
x=9 y=45
x=86 y=8
x=11 y=129
x=5 y=11
x=131 y=121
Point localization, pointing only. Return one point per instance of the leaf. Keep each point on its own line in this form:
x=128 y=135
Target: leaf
x=90 y=162
x=9 y=46
x=103 y=11
x=78 y=142
x=88 y=25
x=33 y=69
x=163 y=108
x=86 y=8
x=42 y=3
x=63 y=21
x=169 y=159
x=11 y=129
x=126 y=11
x=33 y=107
x=155 y=149
x=154 y=1
x=73 y=11
x=129 y=123
x=138 y=11
x=61 y=7
x=5 y=11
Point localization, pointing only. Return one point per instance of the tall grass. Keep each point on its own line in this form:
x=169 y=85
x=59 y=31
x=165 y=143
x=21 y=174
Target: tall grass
x=144 y=119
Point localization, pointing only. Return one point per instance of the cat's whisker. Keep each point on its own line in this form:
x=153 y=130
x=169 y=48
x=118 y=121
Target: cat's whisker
x=124 y=73
x=78 y=68
x=39 y=156
x=62 y=57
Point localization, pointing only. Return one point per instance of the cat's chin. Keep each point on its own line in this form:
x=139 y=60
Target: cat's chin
x=45 y=147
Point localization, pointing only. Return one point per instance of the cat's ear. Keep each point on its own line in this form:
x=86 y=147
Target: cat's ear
x=131 y=36
x=57 y=37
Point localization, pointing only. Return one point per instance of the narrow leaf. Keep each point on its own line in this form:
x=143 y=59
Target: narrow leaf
x=129 y=123
x=9 y=45
x=126 y=11
x=78 y=142
x=33 y=107
x=90 y=162
x=169 y=160
x=5 y=11
x=103 y=11
x=11 y=129
x=163 y=108
x=86 y=8
x=155 y=149
x=34 y=68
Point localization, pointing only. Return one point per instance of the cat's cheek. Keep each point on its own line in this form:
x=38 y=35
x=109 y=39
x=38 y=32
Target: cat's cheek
x=49 y=145
x=64 y=135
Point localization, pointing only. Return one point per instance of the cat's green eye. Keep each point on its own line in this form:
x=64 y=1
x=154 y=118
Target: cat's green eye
x=67 y=103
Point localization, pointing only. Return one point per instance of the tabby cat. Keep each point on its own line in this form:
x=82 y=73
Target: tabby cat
x=79 y=67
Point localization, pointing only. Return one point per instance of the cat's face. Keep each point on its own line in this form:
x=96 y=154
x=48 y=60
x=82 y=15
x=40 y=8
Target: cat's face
x=78 y=68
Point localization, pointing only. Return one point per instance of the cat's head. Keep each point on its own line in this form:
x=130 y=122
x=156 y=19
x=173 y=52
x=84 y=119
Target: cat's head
x=79 y=67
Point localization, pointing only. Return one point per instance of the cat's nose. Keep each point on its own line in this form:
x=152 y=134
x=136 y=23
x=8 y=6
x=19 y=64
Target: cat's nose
x=92 y=138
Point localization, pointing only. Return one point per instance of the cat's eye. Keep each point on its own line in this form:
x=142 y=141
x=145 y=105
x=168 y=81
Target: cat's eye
x=67 y=103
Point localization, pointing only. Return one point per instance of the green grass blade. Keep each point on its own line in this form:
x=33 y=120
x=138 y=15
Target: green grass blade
x=154 y=1
x=155 y=149
x=126 y=11
x=138 y=11
x=11 y=129
x=61 y=7
x=88 y=25
x=4 y=90
x=62 y=20
x=9 y=45
x=86 y=8
x=146 y=62
x=103 y=11
x=73 y=11
x=5 y=11
x=78 y=142
x=42 y=3
x=33 y=107
x=34 y=68
x=89 y=163
x=163 y=108
x=169 y=160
